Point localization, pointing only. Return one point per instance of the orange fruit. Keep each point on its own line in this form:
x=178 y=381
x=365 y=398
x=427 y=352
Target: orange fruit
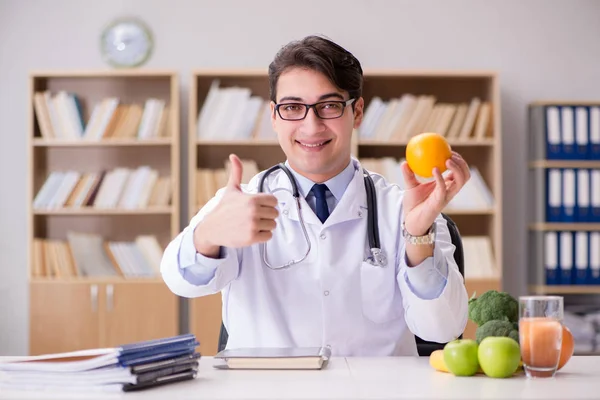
x=567 y=348
x=426 y=151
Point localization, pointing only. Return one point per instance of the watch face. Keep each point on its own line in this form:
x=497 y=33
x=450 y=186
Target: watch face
x=126 y=43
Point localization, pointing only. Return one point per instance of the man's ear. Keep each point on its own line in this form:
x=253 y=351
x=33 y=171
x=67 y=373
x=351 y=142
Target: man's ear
x=359 y=108
x=273 y=116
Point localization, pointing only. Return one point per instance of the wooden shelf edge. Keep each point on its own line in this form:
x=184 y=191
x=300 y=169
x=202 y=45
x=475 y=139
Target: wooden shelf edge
x=565 y=226
x=367 y=72
x=490 y=279
x=565 y=289
x=41 y=142
x=97 y=280
x=101 y=73
x=237 y=143
x=565 y=102
x=369 y=143
x=564 y=164
x=105 y=211
x=483 y=211
x=453 y=143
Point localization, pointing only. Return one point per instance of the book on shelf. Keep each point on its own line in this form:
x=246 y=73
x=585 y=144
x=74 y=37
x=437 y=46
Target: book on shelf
x=399 y=119
x=479 y=258
x=119 y=188
x=90 y=255
x=273 y=358
x=130 y=367
x=234 y=113
x=62 y=116
x=209 y=180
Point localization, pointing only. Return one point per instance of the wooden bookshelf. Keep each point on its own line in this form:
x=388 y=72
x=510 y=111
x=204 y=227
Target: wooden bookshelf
x=72 y=127
x=448 y=87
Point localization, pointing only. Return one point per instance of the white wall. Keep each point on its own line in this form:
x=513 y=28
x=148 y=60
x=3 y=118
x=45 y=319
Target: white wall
x=542 y=49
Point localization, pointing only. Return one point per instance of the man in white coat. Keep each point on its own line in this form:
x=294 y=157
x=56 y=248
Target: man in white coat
x=334 y=297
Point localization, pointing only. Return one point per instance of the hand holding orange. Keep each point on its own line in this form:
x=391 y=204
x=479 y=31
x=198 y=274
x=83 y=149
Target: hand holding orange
x=426 y=151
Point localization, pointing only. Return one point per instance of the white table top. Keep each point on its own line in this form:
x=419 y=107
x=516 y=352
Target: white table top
x=362 y=378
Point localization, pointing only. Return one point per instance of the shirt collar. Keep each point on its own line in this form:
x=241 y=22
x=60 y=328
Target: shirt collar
x=336 y=185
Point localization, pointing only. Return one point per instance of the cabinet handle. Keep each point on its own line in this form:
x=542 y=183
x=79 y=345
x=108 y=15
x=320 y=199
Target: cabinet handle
x=109 y=297
x=94 y=297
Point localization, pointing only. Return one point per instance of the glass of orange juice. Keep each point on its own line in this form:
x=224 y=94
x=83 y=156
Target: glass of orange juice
x=540 y=334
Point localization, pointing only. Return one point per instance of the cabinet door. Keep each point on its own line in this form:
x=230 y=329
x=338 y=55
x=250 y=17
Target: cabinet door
x=205 y=322
x=64 y=316
x=136 y=311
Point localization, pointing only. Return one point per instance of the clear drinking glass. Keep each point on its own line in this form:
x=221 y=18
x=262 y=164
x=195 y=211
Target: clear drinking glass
x=540 y=334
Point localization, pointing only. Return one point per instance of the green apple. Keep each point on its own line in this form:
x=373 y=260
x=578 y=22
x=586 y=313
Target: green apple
x=499 y=356
x=460 y=357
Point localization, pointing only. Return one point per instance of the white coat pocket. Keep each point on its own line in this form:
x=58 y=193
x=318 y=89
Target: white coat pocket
x=380 y=301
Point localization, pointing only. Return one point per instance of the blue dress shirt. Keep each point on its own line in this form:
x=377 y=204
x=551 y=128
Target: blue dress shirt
x=427 y=280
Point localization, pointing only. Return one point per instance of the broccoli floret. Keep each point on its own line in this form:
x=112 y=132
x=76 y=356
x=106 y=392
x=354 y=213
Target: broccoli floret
x=493 y=305
x=496 y=328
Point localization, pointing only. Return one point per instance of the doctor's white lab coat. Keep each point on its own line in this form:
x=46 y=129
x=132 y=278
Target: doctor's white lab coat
x=334 y=297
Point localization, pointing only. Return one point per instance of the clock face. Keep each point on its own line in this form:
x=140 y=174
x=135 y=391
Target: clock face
x=126 y=43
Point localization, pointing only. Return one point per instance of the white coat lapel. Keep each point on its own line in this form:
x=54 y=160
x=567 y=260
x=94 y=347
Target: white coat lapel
x=353 y=204
x=281 y=187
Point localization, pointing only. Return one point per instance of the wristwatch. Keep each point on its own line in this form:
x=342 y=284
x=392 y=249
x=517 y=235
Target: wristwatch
x=428 y=238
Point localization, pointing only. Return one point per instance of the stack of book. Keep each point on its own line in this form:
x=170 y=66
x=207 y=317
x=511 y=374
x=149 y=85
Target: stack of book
x=126 y=368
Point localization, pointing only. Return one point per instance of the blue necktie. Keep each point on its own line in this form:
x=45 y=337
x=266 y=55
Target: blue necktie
x=319 y=191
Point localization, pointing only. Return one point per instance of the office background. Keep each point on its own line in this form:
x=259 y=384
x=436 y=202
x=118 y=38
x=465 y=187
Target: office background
x=541 y=50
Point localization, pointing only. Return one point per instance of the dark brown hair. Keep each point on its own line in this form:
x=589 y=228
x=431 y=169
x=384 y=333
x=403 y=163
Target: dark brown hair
x=322 y=55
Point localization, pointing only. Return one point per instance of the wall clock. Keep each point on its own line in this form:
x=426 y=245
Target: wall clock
x=126 y=42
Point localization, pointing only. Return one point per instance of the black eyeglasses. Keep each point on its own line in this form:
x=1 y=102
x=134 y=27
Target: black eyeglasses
x=329 y=109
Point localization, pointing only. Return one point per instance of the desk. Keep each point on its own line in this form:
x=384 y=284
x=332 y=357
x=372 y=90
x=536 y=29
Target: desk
x=362 y=378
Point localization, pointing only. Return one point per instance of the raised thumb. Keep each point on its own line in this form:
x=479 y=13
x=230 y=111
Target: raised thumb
x=235 y=172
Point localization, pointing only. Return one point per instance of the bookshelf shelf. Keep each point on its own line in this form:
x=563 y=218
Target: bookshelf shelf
x=564 y=164
x=237 y=143
x=565 y=226
x=103 y=190
x=98 y=280
x=453 y=143
x=565 y=289
x=468 y=99
x=107 y=212
x=40 y=142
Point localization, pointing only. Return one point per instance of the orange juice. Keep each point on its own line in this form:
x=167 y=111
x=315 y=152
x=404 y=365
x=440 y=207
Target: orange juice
x=540 y=340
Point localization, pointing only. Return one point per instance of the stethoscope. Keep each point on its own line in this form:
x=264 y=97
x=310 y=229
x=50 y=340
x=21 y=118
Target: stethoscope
x=377 y=256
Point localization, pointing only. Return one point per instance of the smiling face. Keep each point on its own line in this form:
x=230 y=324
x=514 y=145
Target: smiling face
x=316 y=148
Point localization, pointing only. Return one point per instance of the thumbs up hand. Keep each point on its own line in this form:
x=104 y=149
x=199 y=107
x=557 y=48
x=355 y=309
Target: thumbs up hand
x=240 y=219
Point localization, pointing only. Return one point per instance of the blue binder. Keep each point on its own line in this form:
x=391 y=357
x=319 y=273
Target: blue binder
x=582 y=258
x=554 y=195
x=567 y=132
x=582 y=132
x=551 y=254
x=566 y=258
x=155 y=350
x=553 y=137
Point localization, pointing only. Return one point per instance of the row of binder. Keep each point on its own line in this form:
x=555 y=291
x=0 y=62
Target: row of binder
x=572 y=195
x=572 y=258
x=572 y=132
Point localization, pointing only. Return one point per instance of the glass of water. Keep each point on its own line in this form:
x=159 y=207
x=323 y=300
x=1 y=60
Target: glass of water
x=540 y=334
